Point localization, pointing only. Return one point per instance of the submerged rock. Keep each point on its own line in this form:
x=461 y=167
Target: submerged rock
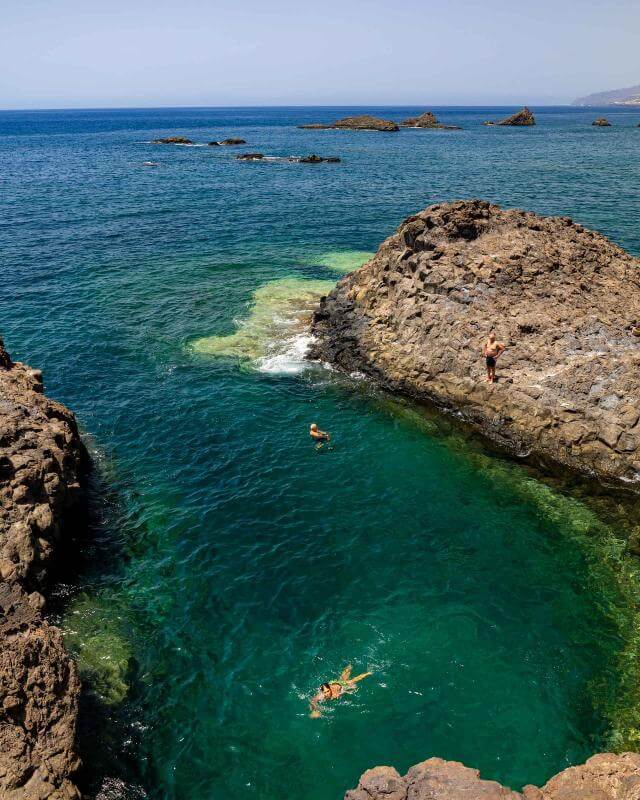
x=250 y=157
x=173 y=140
x=605 y=776
x=364 y=122
x=41 y=462
x=559 y=296
x=601 y=122
x=227 y=143
x=428 y=120
x=524 y=117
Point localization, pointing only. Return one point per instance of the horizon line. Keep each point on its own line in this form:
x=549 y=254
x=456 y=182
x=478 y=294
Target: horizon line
x=296 y=105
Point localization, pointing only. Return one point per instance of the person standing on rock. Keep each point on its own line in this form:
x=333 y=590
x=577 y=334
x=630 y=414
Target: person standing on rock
x=492 y=351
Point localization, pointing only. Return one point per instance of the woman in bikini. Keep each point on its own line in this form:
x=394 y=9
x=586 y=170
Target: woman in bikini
x=334 y=689
x=492 y=351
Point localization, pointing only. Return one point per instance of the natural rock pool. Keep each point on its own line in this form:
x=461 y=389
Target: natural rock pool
x=233 y=566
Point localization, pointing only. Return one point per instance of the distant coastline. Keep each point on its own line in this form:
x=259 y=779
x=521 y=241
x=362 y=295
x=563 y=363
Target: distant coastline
x=629 y=96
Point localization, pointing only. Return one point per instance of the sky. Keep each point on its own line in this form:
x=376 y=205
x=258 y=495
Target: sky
x=145 y=53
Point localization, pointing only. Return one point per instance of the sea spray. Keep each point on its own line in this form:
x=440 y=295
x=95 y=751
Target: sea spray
x=274 y=336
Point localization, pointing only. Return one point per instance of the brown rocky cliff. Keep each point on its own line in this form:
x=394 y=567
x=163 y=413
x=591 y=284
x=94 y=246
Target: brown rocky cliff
x=605 y=776
x=561 y=297
x=42 y=460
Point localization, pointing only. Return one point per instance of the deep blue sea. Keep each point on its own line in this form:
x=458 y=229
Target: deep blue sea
x=232 y=567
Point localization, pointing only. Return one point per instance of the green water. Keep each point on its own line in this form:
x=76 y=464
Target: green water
x=232 y=567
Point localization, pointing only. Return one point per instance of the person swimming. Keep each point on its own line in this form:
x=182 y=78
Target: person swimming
x=319 y=436
x=332 y=690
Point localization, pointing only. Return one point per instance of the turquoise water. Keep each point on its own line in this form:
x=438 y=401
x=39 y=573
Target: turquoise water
x=235 y=567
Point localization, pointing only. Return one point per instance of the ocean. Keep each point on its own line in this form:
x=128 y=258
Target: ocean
x=231 y=566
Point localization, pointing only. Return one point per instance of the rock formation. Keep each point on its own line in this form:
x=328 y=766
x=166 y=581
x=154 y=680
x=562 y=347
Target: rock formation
x=601 y=122
x=313 y=159
x=524 y=117
x=605 y=776
x=562 y=298
x=364 y=122
x=428 y=120
x=227 y=143
x=41 y=462
x=173 y=140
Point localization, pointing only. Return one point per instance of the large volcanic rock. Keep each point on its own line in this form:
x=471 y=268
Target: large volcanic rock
x=561 y=297
x=41 y=461
x=428 y=120
x=524 y=117
x=603 y=777
x=364 y=122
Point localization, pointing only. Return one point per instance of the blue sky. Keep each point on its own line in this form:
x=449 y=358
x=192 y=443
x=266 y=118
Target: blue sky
x=82 y=53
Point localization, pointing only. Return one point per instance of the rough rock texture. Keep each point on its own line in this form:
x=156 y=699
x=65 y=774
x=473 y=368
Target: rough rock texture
x=605 y=776
x=41 y=461
x=562 y=298
x=428 y=120
x=601 y=122
x=361 y=123
x=523 y=117
x=173 y=140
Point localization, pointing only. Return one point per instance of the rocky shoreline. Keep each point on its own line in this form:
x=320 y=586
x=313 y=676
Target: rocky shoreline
x=42 y=465
x=605 y=776
x=564 y=300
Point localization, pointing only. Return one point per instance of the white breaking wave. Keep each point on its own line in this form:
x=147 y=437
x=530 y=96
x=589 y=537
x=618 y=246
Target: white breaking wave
x=287 y=356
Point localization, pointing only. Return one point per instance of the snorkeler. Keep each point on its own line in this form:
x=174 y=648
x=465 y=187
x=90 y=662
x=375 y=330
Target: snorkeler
x=319 y=436
x=334 y=689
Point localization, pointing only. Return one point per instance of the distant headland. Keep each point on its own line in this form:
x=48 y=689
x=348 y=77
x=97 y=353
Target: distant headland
x=613 y=97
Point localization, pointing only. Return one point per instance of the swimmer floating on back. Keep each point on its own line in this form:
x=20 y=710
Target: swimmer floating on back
x=334 y=689
x=318 y=436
